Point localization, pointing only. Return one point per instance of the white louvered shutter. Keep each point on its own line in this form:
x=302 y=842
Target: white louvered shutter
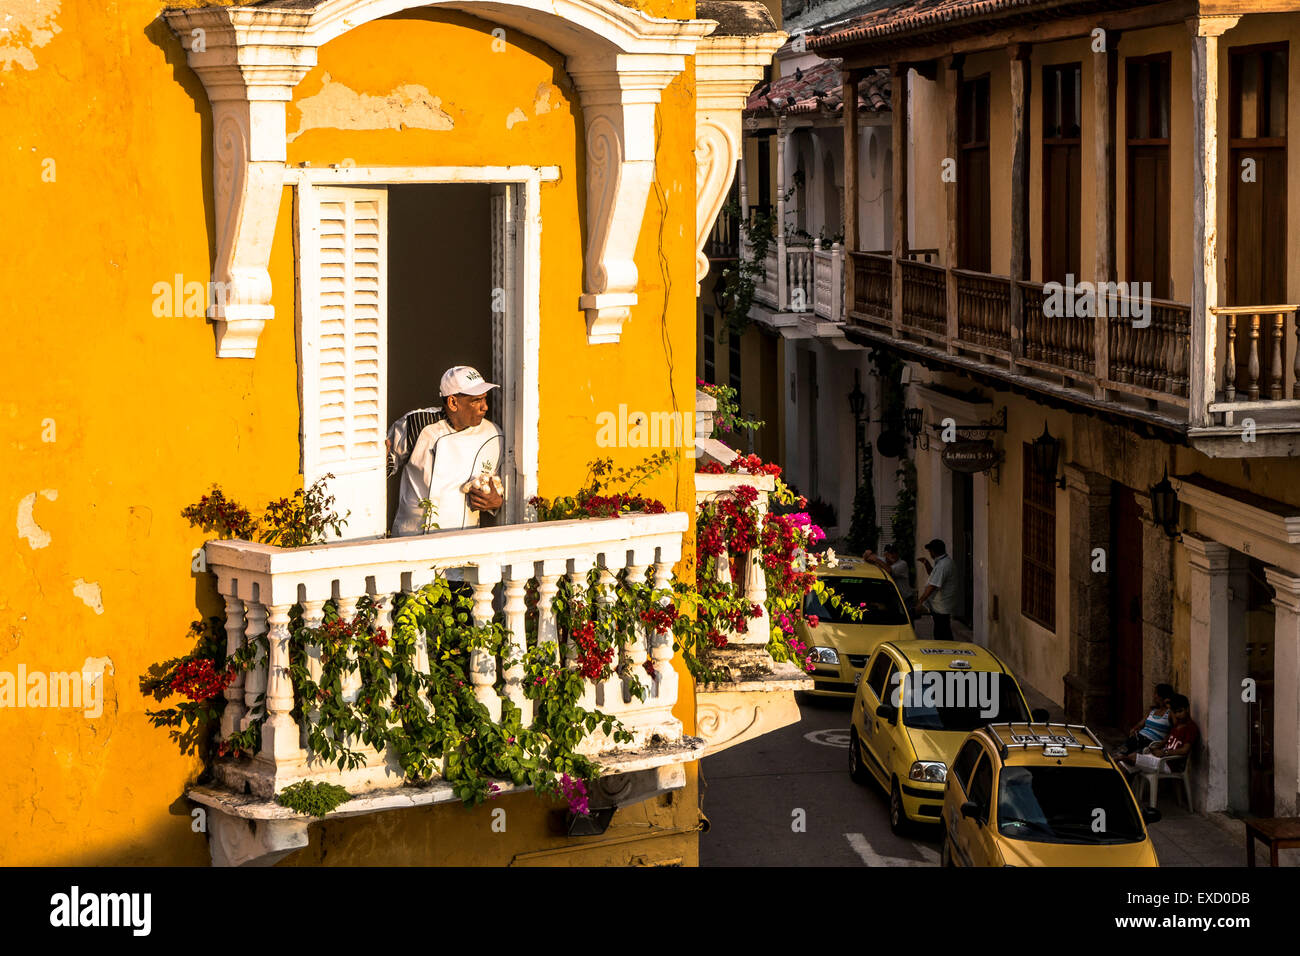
x=344 y=256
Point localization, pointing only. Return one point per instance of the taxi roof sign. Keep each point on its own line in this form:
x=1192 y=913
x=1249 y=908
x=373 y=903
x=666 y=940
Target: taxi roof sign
x=1052 y=737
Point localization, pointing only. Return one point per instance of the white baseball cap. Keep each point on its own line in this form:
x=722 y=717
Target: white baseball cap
x=464 y=380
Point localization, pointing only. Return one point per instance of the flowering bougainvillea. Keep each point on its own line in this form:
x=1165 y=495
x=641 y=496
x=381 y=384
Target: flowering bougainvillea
x=198 y=679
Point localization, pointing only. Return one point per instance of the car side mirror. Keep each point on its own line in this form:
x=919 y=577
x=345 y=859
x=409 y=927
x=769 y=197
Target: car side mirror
x=1040 y=715
x=970 y=810
x=887 y=711
x=1150 y=814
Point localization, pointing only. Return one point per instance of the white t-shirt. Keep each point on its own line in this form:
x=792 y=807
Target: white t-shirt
x=441 y=462
x=944 y=582
x=898 y=571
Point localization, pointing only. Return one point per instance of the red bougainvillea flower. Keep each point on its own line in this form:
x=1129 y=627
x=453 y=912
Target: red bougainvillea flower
x=198 y=679
x=379 y=638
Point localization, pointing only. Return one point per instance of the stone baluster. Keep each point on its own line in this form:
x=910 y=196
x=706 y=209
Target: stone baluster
x=280 y=744
x=1275 y=367
x=1252 y=361
x=232 y=716
x=255 y=679
x=548 y=584
x=384 y=619
x=578 y=570
x=482 y=664
x=1230 y=363
x=347 y=610
x=635 y=647
x=757 y=629
x=516 y=642
x=313 y=616
x=610 y=690
x=661 y=645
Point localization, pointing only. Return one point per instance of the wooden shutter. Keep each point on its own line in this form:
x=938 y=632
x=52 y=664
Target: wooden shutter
x=343 y=235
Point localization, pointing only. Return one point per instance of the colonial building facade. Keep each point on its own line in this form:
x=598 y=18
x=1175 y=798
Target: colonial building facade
x=1103 y=352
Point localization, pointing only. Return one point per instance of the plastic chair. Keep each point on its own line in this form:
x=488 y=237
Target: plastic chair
x=1152 y=778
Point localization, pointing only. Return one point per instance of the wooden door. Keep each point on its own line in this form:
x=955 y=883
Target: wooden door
x=974 y=225
x=1147 y=113
x=1125 y=569
x=1257 y=197
x=1062 y=171
x=963 y=542
x=1260 y=624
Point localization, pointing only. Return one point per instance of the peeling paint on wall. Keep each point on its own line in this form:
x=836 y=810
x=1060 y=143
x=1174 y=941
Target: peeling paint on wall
x=25 y=25
x=516 y=116
x=90 y=594
x=542 y=104
x=36 y=536
x=410 y=106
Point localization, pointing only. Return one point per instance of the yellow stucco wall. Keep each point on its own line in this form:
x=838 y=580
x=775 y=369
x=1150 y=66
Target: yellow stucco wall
x=145 y=416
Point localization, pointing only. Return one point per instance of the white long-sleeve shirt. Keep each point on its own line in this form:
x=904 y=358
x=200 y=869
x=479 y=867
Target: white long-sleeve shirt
x=440 y=463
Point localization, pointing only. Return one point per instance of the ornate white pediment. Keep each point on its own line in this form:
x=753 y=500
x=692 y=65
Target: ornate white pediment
x=251 y=58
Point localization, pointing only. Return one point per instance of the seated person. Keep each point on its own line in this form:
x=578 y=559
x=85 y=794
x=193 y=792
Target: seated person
x=1154 y=728
x=1176 y=746
x=451 y=462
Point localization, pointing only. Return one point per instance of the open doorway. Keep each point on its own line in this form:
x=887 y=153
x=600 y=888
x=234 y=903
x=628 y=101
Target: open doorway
x=439 y=295
x=398 y=282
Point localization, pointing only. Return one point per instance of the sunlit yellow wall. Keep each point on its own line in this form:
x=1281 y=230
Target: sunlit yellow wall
x=145 y=417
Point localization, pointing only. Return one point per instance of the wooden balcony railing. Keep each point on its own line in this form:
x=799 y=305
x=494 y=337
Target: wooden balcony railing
x=1257 y=363
x=925 y=299
x=984 y=310
x=1146 y=355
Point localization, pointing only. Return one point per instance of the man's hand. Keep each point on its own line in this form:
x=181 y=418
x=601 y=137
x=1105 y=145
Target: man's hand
x=484 y=500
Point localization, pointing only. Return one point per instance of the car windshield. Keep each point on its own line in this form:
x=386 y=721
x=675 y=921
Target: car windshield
x=1067 y=805
x=958 y=700
x=877 y=598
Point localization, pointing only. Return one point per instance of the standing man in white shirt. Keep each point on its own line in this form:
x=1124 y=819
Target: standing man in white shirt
x=940 y=590
x=440 y=451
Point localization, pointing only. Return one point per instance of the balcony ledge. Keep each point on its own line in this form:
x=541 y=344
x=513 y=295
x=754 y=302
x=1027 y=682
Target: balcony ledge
x=249 y=830
x=755 y=702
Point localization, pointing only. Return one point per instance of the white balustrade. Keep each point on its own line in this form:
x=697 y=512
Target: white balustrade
x=262 y=583
x=753 y=583
x=799 y=279
x=828 y=281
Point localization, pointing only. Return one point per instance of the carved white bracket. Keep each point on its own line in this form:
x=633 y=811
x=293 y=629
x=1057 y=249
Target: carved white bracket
x=238 y=841
x=730 y=713
x=726 y=69
x=250 y=59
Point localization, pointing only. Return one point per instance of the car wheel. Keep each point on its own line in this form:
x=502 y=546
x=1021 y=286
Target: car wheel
x=857 y=772
x=945 y=856
x=898 y=822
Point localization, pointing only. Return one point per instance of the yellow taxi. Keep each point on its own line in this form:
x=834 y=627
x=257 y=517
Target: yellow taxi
x=1039 y=794
x=917 y=704
x=841 y=643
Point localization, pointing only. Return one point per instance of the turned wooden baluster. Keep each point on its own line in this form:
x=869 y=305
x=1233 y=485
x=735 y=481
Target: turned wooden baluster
x=1230 y=363
x=482 y=663
x=1295 y=370
x=232 y=716
x=1275 y=367
x=1252 y=365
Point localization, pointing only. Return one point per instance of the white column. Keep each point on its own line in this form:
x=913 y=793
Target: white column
x=548 y=583
x=1210 y=692
x=782 y=267
x=517 y=639
x=1205 y=209
x=255 y=679
x=1286 y=691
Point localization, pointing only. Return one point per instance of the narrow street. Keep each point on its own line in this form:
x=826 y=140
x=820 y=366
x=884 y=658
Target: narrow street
x=753 y=807
x=752 y=795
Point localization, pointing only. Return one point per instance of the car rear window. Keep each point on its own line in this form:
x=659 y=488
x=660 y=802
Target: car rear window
x=1066 y=805
x=877 y=597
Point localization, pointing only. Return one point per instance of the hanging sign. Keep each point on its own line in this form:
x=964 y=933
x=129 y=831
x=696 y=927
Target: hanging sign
x=970 y=455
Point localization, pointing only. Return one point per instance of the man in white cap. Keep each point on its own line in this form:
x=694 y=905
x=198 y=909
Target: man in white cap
x=449 y=457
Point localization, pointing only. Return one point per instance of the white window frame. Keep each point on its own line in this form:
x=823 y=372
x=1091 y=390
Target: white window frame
x=521 y=337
